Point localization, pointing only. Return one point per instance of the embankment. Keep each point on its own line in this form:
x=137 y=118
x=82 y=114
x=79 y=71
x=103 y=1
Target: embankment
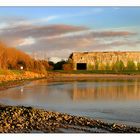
x=11 y=79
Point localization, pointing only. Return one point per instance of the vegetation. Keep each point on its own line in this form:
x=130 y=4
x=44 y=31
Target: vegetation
x=107 y=67
x=129 y=72
x=99 y=68
x=131 y=65
x=13 y=59
x=58 y=66
x=7 y=72
x=118 y=66
x=67 y=66
x=138 y=66
x=96 y=66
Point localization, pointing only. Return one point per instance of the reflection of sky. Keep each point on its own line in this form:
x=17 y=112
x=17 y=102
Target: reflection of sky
x=35 y=29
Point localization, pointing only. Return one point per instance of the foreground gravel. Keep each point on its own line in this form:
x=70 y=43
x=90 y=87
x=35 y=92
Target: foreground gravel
x=21 y=119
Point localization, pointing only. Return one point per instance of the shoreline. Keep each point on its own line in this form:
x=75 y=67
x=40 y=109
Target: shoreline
x=20 y=119
x=13 y=80
x=16 y=83
x=54 y=77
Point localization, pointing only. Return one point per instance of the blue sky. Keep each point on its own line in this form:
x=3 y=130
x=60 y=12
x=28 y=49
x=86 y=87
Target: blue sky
x=59 y=30
x=98 y=17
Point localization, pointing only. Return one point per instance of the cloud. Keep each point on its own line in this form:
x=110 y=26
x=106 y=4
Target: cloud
x=27 y=41
x=91 y=34
x=60 y=39
x=38 y=31
x=25 y=32
x=10 y=22
x=56 y=47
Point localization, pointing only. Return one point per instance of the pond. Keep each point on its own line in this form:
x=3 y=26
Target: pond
x=111 y=100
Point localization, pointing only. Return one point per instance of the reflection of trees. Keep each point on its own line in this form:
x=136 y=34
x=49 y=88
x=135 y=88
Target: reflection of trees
x=17 y=94
x=34 y=90
x=126 y=91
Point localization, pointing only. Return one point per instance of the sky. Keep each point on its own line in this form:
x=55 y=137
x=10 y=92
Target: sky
x=59 y=31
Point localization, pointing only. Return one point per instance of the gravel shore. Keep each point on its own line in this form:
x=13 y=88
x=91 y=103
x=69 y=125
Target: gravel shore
x=19 y=119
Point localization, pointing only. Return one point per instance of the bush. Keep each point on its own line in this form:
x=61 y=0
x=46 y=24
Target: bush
x=131 y=65
x=118 y=66
x=96 y=66
x=67 y=66
x=107 y=67
x=59 y=65
x=138 y=65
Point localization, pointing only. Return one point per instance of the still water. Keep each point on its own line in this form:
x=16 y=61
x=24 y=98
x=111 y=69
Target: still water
x=112 y=100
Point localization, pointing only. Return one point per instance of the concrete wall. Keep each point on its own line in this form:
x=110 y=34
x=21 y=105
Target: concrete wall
x=90 y=58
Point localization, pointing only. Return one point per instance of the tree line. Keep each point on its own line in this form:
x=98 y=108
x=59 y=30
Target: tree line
x=12 y=58
x=116 y=66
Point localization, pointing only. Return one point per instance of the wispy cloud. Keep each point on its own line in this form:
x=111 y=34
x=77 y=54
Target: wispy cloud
x=11 y=22
x=27 y=41
x=91 y=33
x=24 y=22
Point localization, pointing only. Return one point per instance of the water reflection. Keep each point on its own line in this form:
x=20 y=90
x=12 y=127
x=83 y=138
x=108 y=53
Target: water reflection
x=103 y=99
x=42 y=91
x=107 y=90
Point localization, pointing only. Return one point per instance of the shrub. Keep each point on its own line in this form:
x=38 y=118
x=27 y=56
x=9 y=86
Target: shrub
x=131 y=65
x=118 y=66
x=138 y=65
x=67 y=66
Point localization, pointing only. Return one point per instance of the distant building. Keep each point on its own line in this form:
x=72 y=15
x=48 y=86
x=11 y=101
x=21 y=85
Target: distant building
x=88 y=60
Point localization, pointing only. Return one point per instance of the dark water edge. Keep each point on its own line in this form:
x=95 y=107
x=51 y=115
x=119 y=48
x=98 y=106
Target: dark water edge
x=20 y=119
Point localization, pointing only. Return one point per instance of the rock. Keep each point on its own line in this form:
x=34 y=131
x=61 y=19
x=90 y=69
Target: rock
x=23 y=119
x=59 y=119
x=66 y=117
x=88 y=123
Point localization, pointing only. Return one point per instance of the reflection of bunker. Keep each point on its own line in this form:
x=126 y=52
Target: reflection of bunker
x=81 y=66
x=113 y=91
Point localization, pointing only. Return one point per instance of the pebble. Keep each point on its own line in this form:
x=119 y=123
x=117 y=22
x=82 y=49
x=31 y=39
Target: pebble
x=27 y=119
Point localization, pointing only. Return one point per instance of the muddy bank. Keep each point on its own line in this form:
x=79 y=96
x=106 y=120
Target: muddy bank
x=56 y=76
x=30 y=120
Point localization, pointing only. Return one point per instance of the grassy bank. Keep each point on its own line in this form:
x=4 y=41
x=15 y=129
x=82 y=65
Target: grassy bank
x=128 y=72
x=12 y=78
x=13 y=75
x=7 y=72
